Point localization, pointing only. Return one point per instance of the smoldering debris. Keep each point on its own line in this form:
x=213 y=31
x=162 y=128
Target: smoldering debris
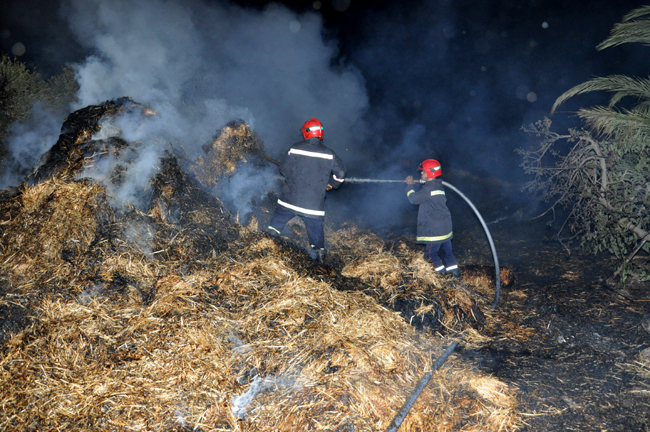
x=66 y=156
x=118 y=331
x=90 y=293
x=241 y=405
x=235 y=143
x=141 y=234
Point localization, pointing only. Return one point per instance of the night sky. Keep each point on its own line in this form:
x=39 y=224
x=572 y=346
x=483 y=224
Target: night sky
x=393 y=82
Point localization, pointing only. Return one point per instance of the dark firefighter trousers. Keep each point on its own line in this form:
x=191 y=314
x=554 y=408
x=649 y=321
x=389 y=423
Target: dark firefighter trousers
x=314 y=226
x=434 y=252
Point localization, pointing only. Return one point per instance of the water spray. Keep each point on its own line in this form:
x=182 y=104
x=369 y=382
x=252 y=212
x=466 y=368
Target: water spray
x=480 y=218
x=364 y=180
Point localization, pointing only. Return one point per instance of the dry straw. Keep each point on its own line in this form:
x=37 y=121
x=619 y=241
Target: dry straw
x=97 y=356
x=208 y=325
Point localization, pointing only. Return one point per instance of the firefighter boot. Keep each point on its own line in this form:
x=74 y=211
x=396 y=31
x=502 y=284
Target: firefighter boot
x=273 y=232
x=318 y=254
x=441 y=270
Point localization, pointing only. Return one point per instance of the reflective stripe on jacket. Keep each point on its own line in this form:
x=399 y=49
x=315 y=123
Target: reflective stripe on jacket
x=307 y=168
x=434 y=218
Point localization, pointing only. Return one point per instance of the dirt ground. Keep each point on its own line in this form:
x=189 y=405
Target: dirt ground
x=580 y=370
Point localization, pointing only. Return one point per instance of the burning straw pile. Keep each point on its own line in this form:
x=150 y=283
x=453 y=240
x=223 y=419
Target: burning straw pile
x=231 y=146
x=136 y=320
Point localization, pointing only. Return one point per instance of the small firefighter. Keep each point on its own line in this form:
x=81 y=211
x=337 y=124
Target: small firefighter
x=310 y=169
x=434 y=218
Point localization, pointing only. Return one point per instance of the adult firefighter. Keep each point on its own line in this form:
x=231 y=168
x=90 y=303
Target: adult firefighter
x=434 y=218
x=310 y=169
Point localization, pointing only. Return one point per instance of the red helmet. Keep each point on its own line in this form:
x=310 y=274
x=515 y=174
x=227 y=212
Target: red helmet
x=312 y=129
x=431 y=167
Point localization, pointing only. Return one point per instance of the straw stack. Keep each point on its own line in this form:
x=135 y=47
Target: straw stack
x=235 y=143
x=178 y=318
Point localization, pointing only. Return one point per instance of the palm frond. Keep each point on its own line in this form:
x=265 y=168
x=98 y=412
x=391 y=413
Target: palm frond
x=621 y=85
x=636 y=13
x=643 y=107
x=629 y=32
x=620 y=124
x=632 y=29
x=630 y=87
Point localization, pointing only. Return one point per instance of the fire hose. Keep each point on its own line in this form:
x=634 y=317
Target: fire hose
x=403 y=412
x=480 y=218
x=487 y=233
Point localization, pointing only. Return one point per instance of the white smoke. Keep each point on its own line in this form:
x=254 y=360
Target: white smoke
x=126 y=173
x=90 y=293
x=395 y=164
x=240 y=405
x=141 y=234
x=247 y=186
x=201 y=66
x=238 y=345
x=241 y=402
x=27 y=142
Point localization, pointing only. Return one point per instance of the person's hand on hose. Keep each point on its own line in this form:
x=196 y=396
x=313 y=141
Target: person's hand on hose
x=328 y=188
x=409 y=180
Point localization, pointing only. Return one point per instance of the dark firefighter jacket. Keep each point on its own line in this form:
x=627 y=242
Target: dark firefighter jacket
x=307 y=168
x=434 y=218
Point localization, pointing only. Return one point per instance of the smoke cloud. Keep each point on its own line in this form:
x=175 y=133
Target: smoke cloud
x=126 y=174
x=437 y=79
x=473 y=73
x=286 y=381
x=455 y=81
x=247 y=186
x=28 y=140
x=203 y=65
